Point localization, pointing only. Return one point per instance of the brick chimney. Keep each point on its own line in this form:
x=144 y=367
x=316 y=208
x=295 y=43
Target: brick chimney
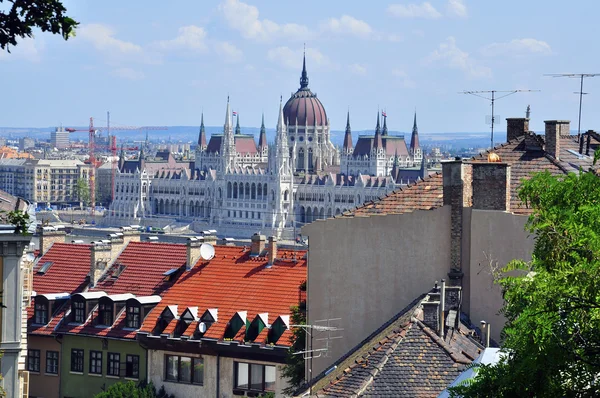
x=49 y=235
x=431 y=309
x=193 y=252
x=554 y=130
x=258 y=244
x=516 y=127
x=491 y=186
x=272 y=249
x=99 y=260
x=457 y=187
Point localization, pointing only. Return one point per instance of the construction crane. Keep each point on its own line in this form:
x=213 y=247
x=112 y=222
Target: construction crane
x=112 y=146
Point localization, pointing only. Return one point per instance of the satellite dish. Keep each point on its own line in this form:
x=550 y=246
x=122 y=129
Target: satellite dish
x=207 y=251
x=202 y=327
x=29 y=257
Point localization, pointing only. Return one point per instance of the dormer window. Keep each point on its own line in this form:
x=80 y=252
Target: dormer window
x=41 y=311
x=78 y=310
x=133 y=317
x=105 y=312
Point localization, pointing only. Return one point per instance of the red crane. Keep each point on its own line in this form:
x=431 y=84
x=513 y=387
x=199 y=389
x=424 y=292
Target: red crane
x=112 y=146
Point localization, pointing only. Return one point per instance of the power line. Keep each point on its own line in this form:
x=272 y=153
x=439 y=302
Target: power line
x=580 y=76
x=493 y=99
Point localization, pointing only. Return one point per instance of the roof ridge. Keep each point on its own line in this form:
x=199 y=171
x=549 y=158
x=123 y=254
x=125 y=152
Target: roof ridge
x=437 y=339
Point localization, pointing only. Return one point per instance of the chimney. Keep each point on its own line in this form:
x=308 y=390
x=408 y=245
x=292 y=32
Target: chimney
x=588 y=142
x=516 y=127
x=210 y=239
x=130 y=235
x=258 y=244
x=457 y=191
x=431 y=309
x=272 y=250
x=193 y=252
x=49 y=235
x=491 y=186
x=554 y=129
x=99 y=260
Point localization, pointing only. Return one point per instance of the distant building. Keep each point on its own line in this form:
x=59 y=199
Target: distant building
x=59 y=138
x=43 y=180
x=26 y=143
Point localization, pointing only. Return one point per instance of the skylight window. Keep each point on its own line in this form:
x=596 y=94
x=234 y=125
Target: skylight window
x=45 y=267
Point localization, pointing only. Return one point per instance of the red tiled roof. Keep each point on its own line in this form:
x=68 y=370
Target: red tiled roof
x=233 y=281
x=71 y=264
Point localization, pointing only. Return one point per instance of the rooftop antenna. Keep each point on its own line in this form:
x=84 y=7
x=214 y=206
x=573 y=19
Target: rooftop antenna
x=491 y=96
x=579 y=76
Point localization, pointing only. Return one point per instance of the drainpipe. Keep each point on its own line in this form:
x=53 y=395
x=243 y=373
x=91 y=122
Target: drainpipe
x=218 y=374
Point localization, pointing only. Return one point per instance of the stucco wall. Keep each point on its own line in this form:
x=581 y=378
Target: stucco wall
x=499 y=237
x=366 y=269
x=44 y=384
x=87 y=385
x=156 y=368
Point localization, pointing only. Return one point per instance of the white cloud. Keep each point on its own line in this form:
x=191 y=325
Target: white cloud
x=25 y=49
x=517 y=47
x=457 y=8
x=245 y=18
x=128 y=73
x=358 y=69
x=102 y=38
x=403 y=77
x=291 y=59
x=423 y=10
x=452 y=56
x=191 y=38
x=348 y=25
x=228 y=51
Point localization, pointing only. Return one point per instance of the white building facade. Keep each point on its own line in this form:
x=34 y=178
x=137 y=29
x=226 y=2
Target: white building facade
x=238 y=187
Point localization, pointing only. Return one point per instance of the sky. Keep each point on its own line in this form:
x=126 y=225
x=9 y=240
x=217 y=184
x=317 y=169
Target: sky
x=153 y=62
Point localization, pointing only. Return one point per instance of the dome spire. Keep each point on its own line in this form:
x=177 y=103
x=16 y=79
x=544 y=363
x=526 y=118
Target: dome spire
x=262 y=140
x=414 y=139
x=348 y=136
x=237 y=124
x=304 y=76
x=202 y=135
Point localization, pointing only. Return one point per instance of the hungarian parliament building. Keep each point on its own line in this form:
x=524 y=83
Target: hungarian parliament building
x=238 y=187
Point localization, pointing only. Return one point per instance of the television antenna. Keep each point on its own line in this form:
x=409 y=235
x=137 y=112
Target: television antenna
x=579 y=76
x=490 y=95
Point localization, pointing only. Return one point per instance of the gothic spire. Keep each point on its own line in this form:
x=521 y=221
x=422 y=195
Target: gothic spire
x=280 y=120
x=414 y=139
x=377 y=128
x=237 y=124
x=348 y=136
x=378 y=141
x=304 y=76
x=202 y=135
x=385 y=130
x=228 y=126
x=262 y=140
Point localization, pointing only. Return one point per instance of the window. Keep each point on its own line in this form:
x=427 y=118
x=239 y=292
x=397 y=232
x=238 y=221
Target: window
x=78 y=311
x=52 y=362
x=96 y=362
x=77 y=360
x=255 y=377
x=184 y=369
x=132 y=366
x=133 y=317
x=33 y=360
x=105 y=313
x=114 y=364
x=41 y=312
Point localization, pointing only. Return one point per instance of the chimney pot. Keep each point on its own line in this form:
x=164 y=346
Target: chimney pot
x=516 y=127
x=272 y=250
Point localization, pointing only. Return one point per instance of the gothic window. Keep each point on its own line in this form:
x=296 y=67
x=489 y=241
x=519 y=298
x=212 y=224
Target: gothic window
x=273 y=195
x=241 y=191
x=301 y=159
x=285 y=195
x=265 y=191
x=247 y=192
x=235 y=190
x=229 y=190
x=310 y=159
x=253 y=191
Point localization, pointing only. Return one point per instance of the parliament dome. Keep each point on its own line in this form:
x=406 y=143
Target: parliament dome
x=304 y=106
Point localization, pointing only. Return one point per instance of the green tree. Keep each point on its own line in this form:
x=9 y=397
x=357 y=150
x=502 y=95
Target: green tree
x=552 y=334
x=82 y=191
x=294 y=368
x=24 y=15
x=131 y=390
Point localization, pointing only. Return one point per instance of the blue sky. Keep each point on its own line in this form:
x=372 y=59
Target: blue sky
x=161 y=63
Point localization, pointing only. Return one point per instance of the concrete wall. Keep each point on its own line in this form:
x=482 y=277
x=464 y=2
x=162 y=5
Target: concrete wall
x=156 y=369
x=44 y=384
x=366 y=269
x=87 y=385
x=499 y=237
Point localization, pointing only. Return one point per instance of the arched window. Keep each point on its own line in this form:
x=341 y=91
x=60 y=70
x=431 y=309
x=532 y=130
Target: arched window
x=253 y=191
x=247 y=193
x=241 y=186
x=285 y=195
x=311 y=166
x=235 y=190
x=300 y=159
x=229 y=190
x=265 y=191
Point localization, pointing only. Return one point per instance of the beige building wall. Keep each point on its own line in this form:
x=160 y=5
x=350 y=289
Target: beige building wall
x=42 y=384
x=498 y=237
x=366 y=269
x=156 y=370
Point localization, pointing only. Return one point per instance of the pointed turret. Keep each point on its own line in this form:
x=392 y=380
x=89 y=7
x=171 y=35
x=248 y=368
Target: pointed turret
x=385 y=130
x=378 y=142
x=377 y=127
x=280 y=119
x=227 y=126
x=414 y=139
x=202 y=134
x=237 y=124
x=348 y=136
x=304 y=76
x=262 y=140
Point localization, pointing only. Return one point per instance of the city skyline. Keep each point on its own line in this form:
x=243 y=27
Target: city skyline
x=152 y=66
